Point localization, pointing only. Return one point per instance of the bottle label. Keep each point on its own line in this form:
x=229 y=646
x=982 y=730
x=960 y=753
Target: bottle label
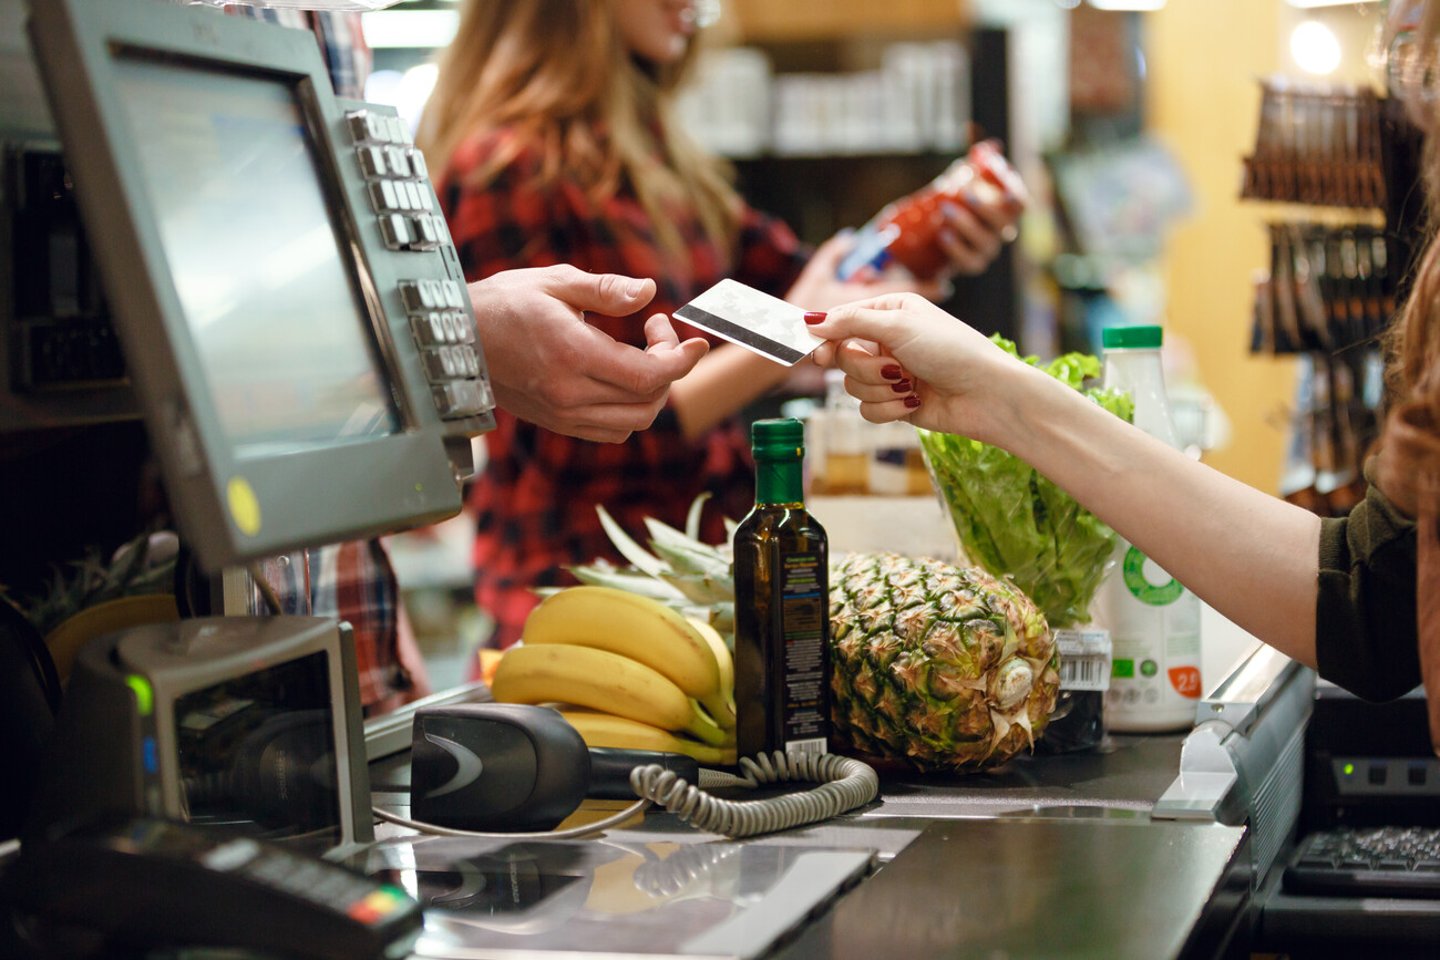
x=804 y=615
x=1084 y=659
x=1147 y=582
x=1156 y=654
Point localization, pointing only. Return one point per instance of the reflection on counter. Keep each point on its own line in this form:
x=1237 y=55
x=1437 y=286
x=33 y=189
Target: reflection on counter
x=611 y=897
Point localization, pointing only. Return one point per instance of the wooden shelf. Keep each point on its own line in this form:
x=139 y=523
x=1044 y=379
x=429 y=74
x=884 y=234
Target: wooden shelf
x=765 y=21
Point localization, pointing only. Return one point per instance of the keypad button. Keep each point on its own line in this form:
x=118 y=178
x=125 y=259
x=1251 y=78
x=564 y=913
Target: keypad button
x=467 y=398
x=420 y=330
x=395 y=130
x=396 y=161
x=438 y=294
x=427 y=197
x=378 y=127
x=372 y=161
x=453 y=296
x=356 y=123
x=382 y=196
x=434 y=365
x=411 y=295
x=417 y=163
x=464 y=329
x=396 y=231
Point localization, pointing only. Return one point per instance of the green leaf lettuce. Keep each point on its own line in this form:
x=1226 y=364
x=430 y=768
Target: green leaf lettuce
x=1012 y=521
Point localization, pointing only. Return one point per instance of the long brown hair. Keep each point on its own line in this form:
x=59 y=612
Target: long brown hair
x=1414 y=340
x=558 y=76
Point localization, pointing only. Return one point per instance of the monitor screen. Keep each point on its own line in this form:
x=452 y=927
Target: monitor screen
x=277 y=313
x=258 y=266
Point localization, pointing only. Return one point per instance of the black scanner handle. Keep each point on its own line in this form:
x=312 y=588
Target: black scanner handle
x=610 y=770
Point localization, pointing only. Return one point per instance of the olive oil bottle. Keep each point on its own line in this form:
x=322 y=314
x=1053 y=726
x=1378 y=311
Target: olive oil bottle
x=782 y=605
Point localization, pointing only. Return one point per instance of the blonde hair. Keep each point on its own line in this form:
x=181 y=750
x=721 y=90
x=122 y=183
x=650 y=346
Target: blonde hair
x=557 y=75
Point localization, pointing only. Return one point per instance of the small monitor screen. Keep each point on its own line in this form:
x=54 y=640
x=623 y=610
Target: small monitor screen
x=257 y=754
x=259 y=268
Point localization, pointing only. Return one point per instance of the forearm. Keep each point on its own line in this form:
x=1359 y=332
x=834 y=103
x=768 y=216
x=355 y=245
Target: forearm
x=722 y=383
x=1251 y=556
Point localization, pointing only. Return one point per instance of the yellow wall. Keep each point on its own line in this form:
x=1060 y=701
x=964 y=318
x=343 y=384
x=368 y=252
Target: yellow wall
x=1205 y=60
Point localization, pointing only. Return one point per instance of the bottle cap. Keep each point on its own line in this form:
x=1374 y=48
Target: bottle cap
x=1119 y=338
x=781 y=439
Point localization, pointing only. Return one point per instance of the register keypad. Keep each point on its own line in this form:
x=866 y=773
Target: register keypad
x=404 y=204
x=399 y=189
x=446 y=339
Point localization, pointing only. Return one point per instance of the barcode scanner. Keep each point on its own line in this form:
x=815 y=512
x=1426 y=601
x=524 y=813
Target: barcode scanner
x=508 y=767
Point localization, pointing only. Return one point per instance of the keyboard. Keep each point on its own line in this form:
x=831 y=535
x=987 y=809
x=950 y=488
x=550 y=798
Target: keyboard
x=1367 y=862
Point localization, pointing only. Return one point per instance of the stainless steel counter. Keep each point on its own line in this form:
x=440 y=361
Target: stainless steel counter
x=1099 y=886
x=1048 y=856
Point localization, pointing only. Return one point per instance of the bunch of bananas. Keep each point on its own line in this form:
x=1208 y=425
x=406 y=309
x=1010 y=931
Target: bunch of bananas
x=626 y=671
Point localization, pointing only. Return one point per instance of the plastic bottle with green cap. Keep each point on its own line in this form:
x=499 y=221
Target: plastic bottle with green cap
x=782 y=605
x=1154 y=621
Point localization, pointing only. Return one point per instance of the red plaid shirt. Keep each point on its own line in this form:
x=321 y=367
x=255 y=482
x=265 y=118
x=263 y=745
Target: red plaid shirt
x=351 y=581
x=535 y=500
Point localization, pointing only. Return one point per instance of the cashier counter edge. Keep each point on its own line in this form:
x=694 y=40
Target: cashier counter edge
x=158 y=121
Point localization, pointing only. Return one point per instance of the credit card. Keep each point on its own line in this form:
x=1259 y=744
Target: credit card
x=756 y=321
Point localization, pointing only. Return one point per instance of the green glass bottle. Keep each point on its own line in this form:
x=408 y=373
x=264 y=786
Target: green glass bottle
x=782 y=605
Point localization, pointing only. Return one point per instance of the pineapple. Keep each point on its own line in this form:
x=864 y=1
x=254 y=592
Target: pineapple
x=946 y=667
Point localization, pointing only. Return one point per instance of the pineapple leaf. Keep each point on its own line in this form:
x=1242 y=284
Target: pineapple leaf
x=662 y=532
x=628 y=548
x=686 y=562
x=629 y=580
x=722 y=618
x=702 y=590
x=692 y=519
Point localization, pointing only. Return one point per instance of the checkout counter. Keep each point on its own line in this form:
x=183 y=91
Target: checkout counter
x=1155 y=846
x=1151 y=847
x=1048 y=856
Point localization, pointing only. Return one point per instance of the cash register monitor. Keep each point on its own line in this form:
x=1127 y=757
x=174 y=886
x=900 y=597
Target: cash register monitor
x=281 y=406
x=303 y=355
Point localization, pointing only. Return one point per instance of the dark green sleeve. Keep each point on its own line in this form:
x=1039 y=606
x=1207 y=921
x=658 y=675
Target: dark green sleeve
x=1365 y=633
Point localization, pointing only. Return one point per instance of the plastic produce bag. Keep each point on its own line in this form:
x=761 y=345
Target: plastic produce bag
x=1013 y=522
x=322 y=5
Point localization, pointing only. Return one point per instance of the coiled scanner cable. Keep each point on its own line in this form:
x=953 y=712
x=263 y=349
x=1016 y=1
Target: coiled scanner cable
x=844 y=785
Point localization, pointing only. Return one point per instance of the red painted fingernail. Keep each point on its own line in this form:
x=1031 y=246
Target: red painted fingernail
x=912 y=401
x=904 y=386
x=892 y=372
x=814 y=316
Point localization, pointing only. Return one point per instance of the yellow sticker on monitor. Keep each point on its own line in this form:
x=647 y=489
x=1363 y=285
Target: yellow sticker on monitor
x=244 y=506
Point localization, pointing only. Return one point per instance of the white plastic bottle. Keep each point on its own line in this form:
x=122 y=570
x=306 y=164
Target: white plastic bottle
x=1154 y=621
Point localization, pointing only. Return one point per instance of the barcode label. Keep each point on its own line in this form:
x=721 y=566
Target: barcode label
x=813 y=748
x=1084 y=659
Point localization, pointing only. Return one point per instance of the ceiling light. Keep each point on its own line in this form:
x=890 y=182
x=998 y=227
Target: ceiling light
x=1127 y=4
x=419 y=29
x=1315 y=48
